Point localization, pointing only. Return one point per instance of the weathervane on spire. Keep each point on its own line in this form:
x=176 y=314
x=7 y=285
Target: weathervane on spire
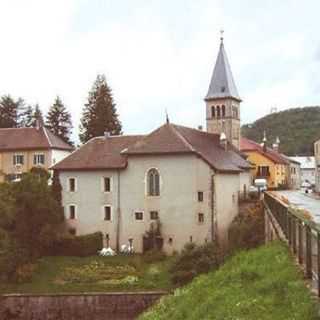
x=221 y=35
x=167 y=117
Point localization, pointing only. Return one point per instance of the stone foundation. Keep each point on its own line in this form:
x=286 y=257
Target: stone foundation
x=93 y=306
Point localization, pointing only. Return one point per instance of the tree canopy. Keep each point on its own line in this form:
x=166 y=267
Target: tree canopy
x=99 y=113
x=297 y=129
x=59 y=120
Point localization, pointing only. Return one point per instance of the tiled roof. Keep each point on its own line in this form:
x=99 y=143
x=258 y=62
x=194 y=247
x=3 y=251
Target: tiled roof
x=12 y=139
x=249 y=145
x=98 y=153
x=171 y=138
x=222 y=84
x=113 y=152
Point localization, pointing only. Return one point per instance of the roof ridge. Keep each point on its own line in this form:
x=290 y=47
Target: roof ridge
x=47 y=136
x=182 y=138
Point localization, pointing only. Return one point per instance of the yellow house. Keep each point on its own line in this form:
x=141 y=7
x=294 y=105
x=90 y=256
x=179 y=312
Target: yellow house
x=267 y=163
x=24 y=148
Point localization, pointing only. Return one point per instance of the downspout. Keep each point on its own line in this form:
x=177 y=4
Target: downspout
x=118 y=213
x=213 y=237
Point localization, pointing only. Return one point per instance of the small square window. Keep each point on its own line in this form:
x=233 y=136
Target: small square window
x=139 y=215
x=18 y=159
x=154 y=215
x=38 y=159
x=200 y=196
x=107 y=213
x=72 y=184
x=72 y=212
x=200 y=217
x=106 y=184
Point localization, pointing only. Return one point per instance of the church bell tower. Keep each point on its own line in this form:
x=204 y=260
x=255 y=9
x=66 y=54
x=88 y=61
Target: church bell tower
x=223 y=100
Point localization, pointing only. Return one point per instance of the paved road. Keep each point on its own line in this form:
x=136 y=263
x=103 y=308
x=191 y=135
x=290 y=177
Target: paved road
x=301 y=200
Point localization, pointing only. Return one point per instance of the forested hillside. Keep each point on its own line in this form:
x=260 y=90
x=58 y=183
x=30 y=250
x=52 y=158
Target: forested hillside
x=297 y=129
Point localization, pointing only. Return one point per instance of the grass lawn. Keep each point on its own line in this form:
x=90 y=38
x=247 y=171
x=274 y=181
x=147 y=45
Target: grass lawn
x=93 y=274
x=260 y=284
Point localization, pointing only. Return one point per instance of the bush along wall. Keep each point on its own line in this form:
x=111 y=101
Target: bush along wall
x=80 y=246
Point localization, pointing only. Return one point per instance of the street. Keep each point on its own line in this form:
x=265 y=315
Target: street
x=301 y=200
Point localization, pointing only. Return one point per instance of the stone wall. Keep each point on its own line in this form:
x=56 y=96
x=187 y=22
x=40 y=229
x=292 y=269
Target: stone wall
x=94 y=306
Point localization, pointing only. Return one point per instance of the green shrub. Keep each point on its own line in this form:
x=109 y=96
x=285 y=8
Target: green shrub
x=154 y=255
x=247 y=229
x=80 y=246
x=194 y=260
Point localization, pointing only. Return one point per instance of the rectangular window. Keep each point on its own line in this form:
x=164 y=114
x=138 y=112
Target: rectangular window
x=154 y=215
x=139 y=215
x=18 y=159
x=200 y=217
x=106 y=184
x=263 y=171
x=200 y=196
x=38 y=159
x=72 y=184
x=72 y=212
x=107 y=213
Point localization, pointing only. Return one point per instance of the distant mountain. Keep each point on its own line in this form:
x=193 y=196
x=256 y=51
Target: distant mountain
x=297 y=129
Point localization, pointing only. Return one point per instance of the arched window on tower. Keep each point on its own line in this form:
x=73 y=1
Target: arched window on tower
x=218 y=111
x=223 y=109
x=213 y=112
x=153 y=182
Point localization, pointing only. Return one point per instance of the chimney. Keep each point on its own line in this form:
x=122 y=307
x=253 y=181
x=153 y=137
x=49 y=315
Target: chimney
x=106 y=134
x=38 y=124
x=223 y=141
x=275 y=146
x=200 y=128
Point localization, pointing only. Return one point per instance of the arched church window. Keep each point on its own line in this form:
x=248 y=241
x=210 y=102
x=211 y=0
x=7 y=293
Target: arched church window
x=223 y=109
x=153 y=180
x=218 y=111
x=213 y=112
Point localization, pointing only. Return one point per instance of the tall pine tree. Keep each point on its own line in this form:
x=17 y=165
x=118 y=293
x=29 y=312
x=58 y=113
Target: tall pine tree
x=28 y=117
x=37 y=116
x=11 y=112
x=99 y=113
x=59 y=120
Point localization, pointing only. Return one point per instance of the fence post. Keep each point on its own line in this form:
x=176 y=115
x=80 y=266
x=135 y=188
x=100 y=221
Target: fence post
x=289 y=228
x=318 y=260
x=308 y=253
x=300 y=249
x=294 y=235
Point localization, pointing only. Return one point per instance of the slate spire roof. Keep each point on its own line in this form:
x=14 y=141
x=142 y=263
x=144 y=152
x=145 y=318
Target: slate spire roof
x=222 y=84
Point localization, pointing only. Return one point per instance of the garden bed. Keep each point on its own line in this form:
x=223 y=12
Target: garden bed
x=93 y=274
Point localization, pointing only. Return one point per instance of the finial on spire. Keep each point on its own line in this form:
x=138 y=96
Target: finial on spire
x=167 y=117
x=264 y=136
x=221 y=35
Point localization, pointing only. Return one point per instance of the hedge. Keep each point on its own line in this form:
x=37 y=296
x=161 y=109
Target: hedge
x=80 y=246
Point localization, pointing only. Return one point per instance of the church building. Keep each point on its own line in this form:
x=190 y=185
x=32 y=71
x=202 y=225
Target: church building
x=186 y=181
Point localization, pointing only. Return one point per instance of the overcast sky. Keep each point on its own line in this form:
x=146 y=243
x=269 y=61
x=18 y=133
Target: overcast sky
x=160 y=54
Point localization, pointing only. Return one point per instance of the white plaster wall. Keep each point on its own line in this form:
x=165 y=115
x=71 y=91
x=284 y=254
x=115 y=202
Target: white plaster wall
x=57 y=156
x=226 y=188
x=89 y=199
x=245 y=181
x=178 y=207
x=181 y=178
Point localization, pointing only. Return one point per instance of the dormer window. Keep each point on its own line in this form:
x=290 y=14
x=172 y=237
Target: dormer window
x=223 y=89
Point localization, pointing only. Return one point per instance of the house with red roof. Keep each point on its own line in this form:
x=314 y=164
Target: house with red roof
x=185 y=180
x=24 y=148
x=267 y=163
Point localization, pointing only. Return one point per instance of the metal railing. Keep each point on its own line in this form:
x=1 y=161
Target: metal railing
x=301 y=234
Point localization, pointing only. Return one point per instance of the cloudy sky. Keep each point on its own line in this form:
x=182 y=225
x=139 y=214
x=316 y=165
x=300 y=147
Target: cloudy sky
x=159 y=55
